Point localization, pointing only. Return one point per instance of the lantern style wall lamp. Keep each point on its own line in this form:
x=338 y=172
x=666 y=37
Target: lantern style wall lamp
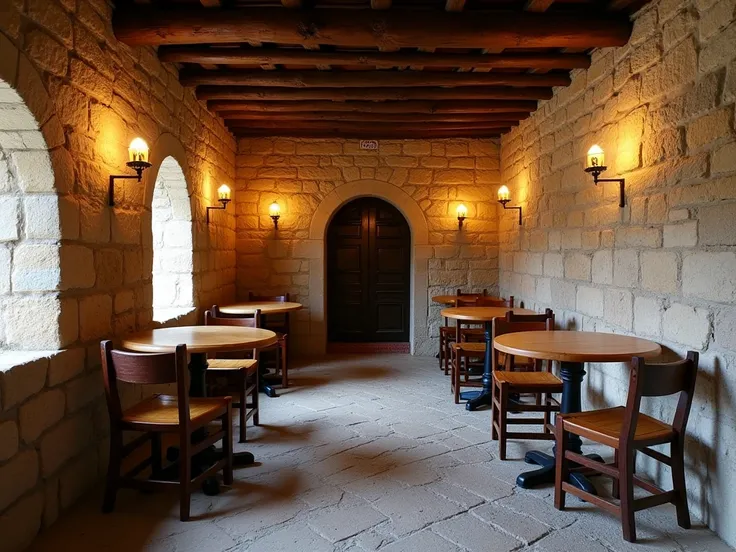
x=223 y=196
x=274 y=211
x=504 y=197
x=137 y=160
x=462 y=212
x=596 y=164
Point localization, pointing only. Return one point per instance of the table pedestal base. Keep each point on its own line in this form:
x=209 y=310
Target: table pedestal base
x=546 y=473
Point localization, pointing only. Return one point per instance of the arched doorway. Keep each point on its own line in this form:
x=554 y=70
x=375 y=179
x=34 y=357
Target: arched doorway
x=368 y=273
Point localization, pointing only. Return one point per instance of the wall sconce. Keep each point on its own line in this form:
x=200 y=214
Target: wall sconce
x=223 y=196
x=462 y=212
x=274 y=211
x=504 y=197
x=596 y=164
x=137 y=160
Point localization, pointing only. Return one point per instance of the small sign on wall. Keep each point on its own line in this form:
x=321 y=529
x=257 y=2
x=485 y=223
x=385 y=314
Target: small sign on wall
x=369 y=144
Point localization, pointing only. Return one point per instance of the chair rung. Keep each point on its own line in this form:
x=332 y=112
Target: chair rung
x=135 y=443
x=516 y=407
x=211 y=439
x=534 y=436
x=606 y=469
x=525 y=421
x=606 y=505
x=138 y=468
x=647 y=486
x=654 y=500
x=212 y=470
x=656 y=455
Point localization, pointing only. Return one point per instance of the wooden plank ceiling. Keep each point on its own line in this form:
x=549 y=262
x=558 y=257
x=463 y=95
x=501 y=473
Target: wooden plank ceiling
x=374 y=68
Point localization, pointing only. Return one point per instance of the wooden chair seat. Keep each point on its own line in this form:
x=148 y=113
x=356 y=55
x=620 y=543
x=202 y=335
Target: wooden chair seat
x=605 y=426
x=163 y=410
x=529 y=379
x=448 y=330
x=250 y=365
x=470 y=347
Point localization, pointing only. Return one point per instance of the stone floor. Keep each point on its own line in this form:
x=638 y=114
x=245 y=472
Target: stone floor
x=369 y=453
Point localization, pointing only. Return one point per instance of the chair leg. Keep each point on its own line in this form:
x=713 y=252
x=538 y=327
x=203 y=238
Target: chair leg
x=546 y=402
x=113 y=471
x=502 y=419
x=677 y=453
x=626 y=471
x=227 y=445
x=185 y=477
x=561 y=464
x=455 y=366
x=243 y=410
x=439 y=356
x=284 y=369
x=616 y=484
x=256 y=392
x=448 y=354
x=156 y=464
x=494 y=410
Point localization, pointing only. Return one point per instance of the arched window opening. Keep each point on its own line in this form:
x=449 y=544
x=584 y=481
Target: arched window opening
x=173 y=293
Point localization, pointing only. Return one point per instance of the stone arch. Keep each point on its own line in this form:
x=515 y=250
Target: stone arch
x=420 y=254
x=169 y=195
x=35 y=173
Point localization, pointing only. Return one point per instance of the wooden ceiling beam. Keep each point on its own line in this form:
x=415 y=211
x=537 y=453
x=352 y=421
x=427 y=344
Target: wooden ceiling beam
x=370 y=134
x=395 y=28
x=428 y=108
x=502 y=119
x=363 y=79
x=233 y=124
x=211 y=3
x=371 y=94
x=242 y=56
x=454 y=5
x=380 y=4
x=292 y=4
x=538 y=5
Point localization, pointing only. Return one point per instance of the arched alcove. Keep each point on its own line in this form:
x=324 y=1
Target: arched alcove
x=171 y=226
x=420 y=341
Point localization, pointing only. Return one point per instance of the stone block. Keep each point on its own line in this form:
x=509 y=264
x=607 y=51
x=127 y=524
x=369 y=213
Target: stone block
x=5 y=267
x=22 y=379
x=8 y=440
x=619 y=308
x=33 y=170
x=709 y=128
x=42 y=217
x=553 y=265
x=77 y=267
x=590 y=301
x=32 y=322
x=638 y=237
x=602 y=267
x=17 y=476
x=687 y=325
x=625 y=268
x=719 y=50
x=659 y=271
x=725 y=328
x=9 y=214
x=710 y=276
x=577 y=266
x=65 y=365
x=77 y=478
x=717 y=224
x=82 y=391
x=36 y=267
x=40 y=413
x=723 y=160
x=20 y=524
x=95 y=315
x=63 y=442
x=647 y=316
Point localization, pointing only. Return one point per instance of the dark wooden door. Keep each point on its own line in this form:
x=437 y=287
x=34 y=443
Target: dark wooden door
x=368 y=268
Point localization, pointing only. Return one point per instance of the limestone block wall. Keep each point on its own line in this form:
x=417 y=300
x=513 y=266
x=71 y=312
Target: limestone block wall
x=74 y=270
x=664 y=266
x=311 y=179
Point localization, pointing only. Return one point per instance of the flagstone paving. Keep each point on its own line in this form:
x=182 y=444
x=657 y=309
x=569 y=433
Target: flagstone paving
x=364 y=454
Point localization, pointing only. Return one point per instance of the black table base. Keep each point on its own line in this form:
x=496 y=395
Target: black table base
x=484 y=397
x=572 y=377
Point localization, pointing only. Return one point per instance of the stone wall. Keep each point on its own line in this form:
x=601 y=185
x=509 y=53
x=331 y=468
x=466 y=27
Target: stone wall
x=664 y=266
x=310 y=179
x=72 y=269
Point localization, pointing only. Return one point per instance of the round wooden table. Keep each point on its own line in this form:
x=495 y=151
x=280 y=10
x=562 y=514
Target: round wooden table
x=485 y=315
x=201 y=340
x=266 y=307
x=573 y=350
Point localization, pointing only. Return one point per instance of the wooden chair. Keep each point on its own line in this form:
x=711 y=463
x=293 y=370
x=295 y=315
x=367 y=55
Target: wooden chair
x=240 y=368
x=447 y=332
x=626 y=430
x=161 y=414
x=465 y=354
x=278 y=323
x=512 y=378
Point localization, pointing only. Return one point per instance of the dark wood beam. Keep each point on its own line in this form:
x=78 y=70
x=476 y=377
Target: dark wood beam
x=380 y=4
x=336 y=126
x=211 y=3
x=372 y=94
x=260 y=56
x=427 y=108
x=395 y=134
x=291 y=3
x=503 y=119
x=395 y=28
x=363 y=79
x=538 y=5
x=454 y=5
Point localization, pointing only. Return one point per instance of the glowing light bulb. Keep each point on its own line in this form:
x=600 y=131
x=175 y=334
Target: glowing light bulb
x=223 y=192
x=596 y=157
x=138 y=151
x=274 y=209
x=503 y=193
x=462 y=211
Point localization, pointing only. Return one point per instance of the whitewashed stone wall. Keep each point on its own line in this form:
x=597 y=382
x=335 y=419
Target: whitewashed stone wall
x=429 y=177
x=83 y=271
x=663 y=267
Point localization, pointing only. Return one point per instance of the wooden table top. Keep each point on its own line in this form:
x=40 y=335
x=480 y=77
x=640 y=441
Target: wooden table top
x=450 y=299
x=480 y=314
x=267 y=307
x=199 y=339
x=576 y=346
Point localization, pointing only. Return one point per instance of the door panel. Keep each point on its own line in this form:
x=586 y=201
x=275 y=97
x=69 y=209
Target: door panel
x=368 y=271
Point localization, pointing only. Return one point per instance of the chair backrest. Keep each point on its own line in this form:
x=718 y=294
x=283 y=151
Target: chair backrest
x=660 y=380
x=471 y=294
x=276 y=298
x=215 y=317
x=548 y=313
x=495 y=302
x=501 y=326
x=144 y=368
x=466 y=301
